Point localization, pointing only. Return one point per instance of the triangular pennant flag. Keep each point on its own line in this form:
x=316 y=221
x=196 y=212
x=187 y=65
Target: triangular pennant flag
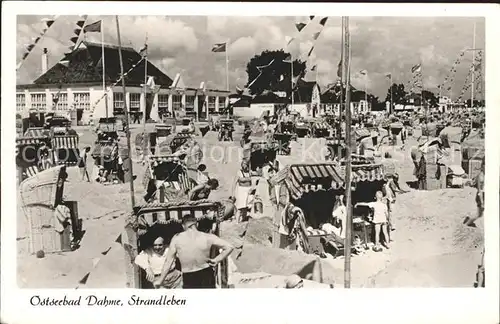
x=80 y=23
x=323 y=21
x=74 y=39
x=151 y=82
x=109 y=248
x=29 y=47
x=311 y=17
x=48 y=21
x=144 y=50
x=83 y=281
x=119 y=239
x=19 y=65
x=77 y=31
x=65 y=63
x=95 y=262
x=300 y=26
x=288 y=40
x=316 y=35
x=313 y=68
x=339 y=69
x=310 y=51
x=25 y=55
x=288 y=59
x=36 y=39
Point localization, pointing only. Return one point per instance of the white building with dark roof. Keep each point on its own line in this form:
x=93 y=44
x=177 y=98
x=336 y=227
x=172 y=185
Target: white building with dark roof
x=74 y=87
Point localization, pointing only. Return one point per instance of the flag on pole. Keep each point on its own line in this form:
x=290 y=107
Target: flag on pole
x=311 y=17
x=323 y=21
x=300 y=26
x=93 y=28
x=74 y=39
x=316 y=35
x=388 y=75
x=339 y=69
x=219 y=48
x=288 y=40
x=363 y=72
x=313 y=68
x=144 y=50
x=416 y=68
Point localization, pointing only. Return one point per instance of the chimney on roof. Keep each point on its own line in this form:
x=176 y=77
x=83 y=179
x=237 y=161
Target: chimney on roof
x=45 y=60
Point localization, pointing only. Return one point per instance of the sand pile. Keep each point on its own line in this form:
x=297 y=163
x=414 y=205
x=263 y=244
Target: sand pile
x=435 y=217
x=254 y=258
x=255 y=231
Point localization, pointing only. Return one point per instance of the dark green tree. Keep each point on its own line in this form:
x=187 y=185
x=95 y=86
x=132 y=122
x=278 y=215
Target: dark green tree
x=276 y=73
x=398 y=94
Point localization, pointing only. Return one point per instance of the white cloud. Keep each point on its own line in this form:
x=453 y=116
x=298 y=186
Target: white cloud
x=178 y=44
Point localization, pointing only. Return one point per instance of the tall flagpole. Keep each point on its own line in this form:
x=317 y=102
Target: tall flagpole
x=104 y=69
x=133 y=275
x=291 y=81
x=339 y=135
x=227 y=65
x=145 y=83
x=390 y=87
x=348 y=227
x=132 y=197
x=366 y=89
x=473 y=66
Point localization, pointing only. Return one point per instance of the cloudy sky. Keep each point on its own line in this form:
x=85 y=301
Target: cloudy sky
x=182 y=44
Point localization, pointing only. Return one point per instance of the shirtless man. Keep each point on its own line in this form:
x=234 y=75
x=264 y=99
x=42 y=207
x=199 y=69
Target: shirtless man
x=203 y=190
x=192 y=248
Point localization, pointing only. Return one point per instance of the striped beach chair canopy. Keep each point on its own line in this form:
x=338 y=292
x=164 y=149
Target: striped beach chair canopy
x=165 y=218
x=302 y=178
x=28 y=140
x=37 y=132
x=168 y=171
x=65 y=142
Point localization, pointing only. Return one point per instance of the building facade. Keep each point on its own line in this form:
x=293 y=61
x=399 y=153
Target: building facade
x=74 y=88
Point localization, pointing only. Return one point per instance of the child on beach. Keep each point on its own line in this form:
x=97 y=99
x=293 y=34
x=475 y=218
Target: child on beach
x=380 y=219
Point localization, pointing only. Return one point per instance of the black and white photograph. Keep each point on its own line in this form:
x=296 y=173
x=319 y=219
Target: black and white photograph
x=313 y=151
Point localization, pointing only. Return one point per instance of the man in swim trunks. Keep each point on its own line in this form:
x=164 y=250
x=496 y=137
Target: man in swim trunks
x=192 y=248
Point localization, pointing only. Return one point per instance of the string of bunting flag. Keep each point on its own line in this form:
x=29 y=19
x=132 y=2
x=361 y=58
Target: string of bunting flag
x=476 y=67
x=115 y=83
x=450 y=78
x=74 y=40
x=417 y=78
x=29 y=47
x=95 y=261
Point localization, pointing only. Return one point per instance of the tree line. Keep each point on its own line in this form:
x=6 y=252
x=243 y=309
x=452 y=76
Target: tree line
x=266 y=78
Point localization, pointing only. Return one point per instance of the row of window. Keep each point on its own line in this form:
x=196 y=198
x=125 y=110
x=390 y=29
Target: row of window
x=81 y=100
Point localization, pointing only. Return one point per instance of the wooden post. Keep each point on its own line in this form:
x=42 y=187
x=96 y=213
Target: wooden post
x=130 y=242
x=348 y=236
